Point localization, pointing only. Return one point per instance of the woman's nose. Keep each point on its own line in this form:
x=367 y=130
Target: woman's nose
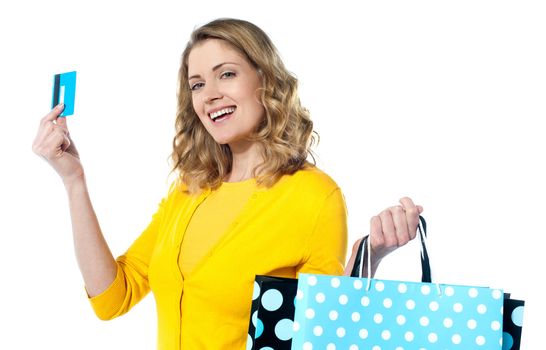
x=211 y=93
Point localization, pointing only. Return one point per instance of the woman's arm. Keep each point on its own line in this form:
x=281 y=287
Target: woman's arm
x=53 y=144
x=95 y=260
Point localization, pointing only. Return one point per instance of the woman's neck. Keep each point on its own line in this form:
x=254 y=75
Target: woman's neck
x=245 y=159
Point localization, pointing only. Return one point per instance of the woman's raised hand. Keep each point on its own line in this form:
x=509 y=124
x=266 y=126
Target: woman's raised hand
x=53 y=143
x=95 y=260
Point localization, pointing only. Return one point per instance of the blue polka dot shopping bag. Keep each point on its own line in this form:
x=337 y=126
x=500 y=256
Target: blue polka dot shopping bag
x=351 y=313
x=339 y=313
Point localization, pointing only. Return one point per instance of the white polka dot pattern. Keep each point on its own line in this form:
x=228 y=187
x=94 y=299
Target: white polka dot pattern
x=271 y=323
x=395 y=315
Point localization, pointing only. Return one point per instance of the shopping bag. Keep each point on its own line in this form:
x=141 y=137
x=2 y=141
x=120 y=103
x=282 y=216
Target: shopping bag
x=512 y=308
x=272 y=313
x=339 y=312
x=512 y=323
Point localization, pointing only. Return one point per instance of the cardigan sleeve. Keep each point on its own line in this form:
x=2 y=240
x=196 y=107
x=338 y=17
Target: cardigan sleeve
x=131 y=282
x=327 y=244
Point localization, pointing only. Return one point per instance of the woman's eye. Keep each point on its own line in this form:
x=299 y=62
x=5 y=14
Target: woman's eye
x=228 y=74
x=196 y=86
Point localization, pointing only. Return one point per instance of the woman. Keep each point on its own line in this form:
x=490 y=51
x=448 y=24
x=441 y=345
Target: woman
x=246 y=201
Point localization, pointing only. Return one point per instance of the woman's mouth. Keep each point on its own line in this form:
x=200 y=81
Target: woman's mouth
x=222 y=114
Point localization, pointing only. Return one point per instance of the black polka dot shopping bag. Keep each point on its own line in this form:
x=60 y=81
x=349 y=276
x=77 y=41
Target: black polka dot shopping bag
x=272 y=313
x=352 y=313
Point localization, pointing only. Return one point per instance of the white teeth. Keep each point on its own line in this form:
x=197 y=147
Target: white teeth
x=221 y=112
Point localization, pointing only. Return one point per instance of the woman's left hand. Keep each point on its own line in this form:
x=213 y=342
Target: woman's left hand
x=389 y=230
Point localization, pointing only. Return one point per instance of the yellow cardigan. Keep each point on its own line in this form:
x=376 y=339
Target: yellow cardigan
x=297 y=225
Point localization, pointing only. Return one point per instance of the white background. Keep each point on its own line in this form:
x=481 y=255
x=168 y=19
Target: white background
x=441 y=101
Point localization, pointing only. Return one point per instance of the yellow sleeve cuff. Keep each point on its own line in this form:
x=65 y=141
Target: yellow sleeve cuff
x=107 y=305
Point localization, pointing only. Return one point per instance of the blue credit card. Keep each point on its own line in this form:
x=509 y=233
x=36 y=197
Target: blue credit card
x=64 y=91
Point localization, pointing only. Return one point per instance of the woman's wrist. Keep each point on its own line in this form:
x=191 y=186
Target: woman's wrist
x=75 y=182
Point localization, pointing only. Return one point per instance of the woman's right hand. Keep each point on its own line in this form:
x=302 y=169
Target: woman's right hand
x=53 y=143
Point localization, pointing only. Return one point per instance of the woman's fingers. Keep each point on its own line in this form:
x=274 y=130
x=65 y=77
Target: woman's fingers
x=51 y=142
x=53 y=114
x=389 y=227
x=62 y=122
x=54 y=144
x=47 y=126
x=376 y=232
x=412 y=212
x=43 y=131
x=52 y=138
x=394 y=227
x=401 y=225
x=66 y=142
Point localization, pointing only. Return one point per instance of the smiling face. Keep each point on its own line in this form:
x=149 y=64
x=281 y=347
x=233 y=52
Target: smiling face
x=224 y=88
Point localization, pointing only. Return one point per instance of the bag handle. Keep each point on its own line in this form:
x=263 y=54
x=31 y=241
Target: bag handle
x=364 y=247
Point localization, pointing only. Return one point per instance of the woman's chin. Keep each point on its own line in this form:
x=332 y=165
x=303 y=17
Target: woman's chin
x=221 y=140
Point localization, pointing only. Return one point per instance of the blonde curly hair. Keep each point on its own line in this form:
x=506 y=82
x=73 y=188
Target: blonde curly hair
x=286 y=133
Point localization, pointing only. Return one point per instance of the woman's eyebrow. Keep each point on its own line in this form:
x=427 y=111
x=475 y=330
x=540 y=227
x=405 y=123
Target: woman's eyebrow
x=215 y=68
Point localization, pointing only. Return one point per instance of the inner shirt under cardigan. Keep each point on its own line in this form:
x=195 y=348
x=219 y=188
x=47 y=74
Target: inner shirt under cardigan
x=297 y=225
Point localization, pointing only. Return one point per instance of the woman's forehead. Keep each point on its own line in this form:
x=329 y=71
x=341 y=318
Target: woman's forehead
x=211 y=52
